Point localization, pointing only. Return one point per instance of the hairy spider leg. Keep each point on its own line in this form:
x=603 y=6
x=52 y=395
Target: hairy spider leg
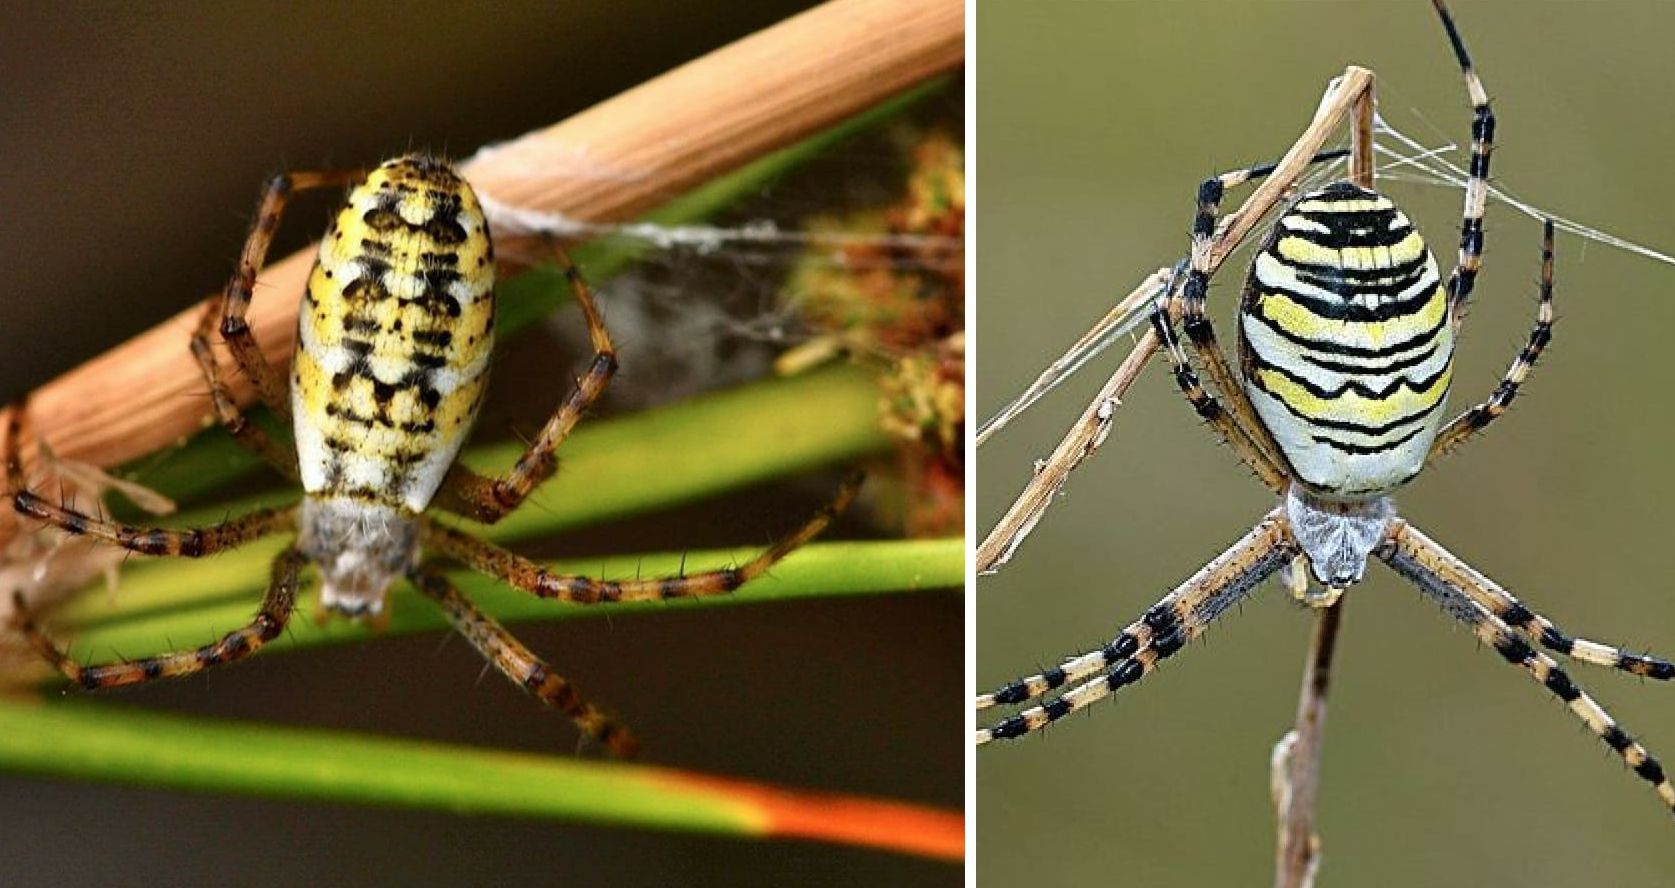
x=525 y=670
x=1164 y=629
x=1413 y=557
x=234 y=303
x=489 y=500
x=1474 y=420
x=192 y=542
x=1477 y=183
x=522 y=573
x=1492 y=598
x=275 y=612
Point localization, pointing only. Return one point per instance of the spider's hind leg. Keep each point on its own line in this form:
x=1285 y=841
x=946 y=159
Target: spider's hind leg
x=1478 y=417
x=1227 y=426
x=488 y=500
x=1188 y=294
x=235 y=298
x=276 y=452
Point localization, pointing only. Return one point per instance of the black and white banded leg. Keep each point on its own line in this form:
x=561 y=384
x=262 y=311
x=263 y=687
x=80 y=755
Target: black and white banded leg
x=1460 y=282
x=1491 y=597
x=1414 y=557
x=1474 y=420
x=1195 y=290
x=1227 y=426
x=1166 y=627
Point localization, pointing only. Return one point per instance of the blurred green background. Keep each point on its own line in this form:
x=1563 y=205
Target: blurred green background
x=1443 y=765
x=135 y=140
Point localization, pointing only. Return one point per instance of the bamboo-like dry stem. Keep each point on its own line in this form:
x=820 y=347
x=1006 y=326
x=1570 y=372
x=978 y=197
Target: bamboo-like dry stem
x=606 y=164
x=1296 y=762
x=1078 y=444
x=1297 y=757
x=1097 y=419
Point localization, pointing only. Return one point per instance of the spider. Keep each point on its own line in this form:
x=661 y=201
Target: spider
x=390 y=369
x=1345 y=356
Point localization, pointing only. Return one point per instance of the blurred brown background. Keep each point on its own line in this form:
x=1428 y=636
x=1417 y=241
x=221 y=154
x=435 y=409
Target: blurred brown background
x=1443 y=765
x=135 y=139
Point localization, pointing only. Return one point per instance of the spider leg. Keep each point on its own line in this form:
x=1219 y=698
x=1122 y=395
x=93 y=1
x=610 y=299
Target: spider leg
x=1474 y=420
x=278 y=453
x=1477 y=185
x=1415 y=561
x=268 y=623
x=1165 y=628
x=515 y=661
x=522 y=573
x=1497 y=601
x=1226 y=424
x=1252 y=441
x=184 y=542
x=1194 y=294
x=235 y=299
x=488 y=500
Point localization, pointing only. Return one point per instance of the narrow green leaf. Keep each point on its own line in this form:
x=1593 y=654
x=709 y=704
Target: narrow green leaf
x=100 y=741
x=163 y=608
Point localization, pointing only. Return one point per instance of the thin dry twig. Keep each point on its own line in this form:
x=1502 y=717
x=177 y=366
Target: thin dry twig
x=1096 y=421
x=1296 y=760
x=1295 y=766
x=606 y=164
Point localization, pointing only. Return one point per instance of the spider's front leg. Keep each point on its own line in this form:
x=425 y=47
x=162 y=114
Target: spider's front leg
x=517 y=663
x=1426 y=564
x=182 y=542
x=464 y=492
x=277 y=605
x=522 y=573
x=1165 y=628
x=1420 y=549
x=1478 y=417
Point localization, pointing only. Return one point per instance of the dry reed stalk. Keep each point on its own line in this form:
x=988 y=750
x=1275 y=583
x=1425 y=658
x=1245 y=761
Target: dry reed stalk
x=1097 y=420
x=671 y=133
x=1297 y=756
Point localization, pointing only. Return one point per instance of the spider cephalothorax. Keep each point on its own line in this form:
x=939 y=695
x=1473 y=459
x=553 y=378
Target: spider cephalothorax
x=1346 y=344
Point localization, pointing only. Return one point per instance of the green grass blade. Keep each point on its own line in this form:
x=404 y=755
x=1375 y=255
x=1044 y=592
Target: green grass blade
x=89 y=741
x=701 y=447
x=160 y=609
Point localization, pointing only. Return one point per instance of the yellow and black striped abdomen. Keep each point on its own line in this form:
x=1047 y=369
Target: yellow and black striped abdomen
x=1345 y=342
x=396 y=331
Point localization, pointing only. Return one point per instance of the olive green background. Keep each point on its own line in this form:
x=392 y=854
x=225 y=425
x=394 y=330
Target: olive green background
x=1443 y=765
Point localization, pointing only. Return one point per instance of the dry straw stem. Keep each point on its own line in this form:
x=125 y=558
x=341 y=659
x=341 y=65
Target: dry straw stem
x=671 y=133
x=1297 y=851
x=1096 y=421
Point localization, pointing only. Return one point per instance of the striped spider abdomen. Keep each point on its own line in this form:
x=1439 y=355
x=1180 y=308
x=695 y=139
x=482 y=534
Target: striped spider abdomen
x=395 y=335
x=1346 y=344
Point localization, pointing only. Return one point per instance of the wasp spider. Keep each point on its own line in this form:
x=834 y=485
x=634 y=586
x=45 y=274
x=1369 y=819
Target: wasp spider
x=1346 y=344
x=390 y=369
